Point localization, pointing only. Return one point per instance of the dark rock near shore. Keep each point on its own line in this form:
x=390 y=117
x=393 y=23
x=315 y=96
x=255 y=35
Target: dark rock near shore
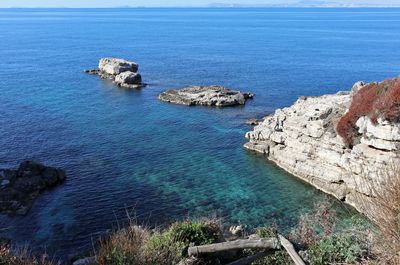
x=252 y=122
x=18 y=188
x=206 y=95
x=92 y=71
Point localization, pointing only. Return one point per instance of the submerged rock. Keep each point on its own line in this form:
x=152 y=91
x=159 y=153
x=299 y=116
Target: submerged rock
x=20 y=187
x=92 y=71
x=303 y=140
x=85 y=261
x=205 y=95
x=124 y=73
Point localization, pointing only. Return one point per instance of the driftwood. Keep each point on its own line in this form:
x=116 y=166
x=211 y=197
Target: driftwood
x=291 y=251
x=263 y=243
x=250 y=259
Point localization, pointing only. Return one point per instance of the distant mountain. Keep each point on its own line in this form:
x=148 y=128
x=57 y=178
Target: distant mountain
x=305 y=3
x=310 y=3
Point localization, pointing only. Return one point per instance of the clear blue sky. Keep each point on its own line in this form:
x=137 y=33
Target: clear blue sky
x=164 y=3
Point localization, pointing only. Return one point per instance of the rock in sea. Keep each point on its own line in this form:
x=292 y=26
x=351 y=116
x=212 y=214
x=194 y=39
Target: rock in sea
x=128 y=79
x=122 y=72
x=20 y=187
x=205 y=95
x=252 y=122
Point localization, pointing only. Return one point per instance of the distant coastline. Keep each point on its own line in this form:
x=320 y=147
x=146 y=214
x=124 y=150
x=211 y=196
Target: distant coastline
x=300 y=4
x=209 y=7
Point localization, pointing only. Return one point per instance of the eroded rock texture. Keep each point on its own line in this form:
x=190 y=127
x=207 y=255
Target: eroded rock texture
x=122 y=72
x=303 y=140
x=205 y=95
x=19 y=187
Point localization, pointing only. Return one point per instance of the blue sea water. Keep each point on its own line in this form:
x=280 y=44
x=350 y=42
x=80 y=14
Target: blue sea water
x=125 y=150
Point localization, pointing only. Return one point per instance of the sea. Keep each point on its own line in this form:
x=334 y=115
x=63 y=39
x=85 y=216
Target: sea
x=129 y=156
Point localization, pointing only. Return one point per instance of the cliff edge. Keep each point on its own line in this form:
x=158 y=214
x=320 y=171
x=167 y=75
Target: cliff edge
x=332 y=142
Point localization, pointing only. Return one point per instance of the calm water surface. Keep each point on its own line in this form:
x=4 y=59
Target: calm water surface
x=125 y=150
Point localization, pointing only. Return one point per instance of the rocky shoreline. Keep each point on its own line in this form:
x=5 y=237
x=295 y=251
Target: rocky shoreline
x=303 y=140
x=20 y=187
x=205 y=96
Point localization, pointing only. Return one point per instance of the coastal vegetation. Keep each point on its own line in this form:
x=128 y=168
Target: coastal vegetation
x=374 y=100
x=318 y=238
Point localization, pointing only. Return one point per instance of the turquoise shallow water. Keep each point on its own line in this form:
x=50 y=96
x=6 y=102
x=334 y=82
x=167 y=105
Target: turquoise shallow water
x=125 y=150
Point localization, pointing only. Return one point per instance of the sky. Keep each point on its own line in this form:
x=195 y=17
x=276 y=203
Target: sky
x=164 y=3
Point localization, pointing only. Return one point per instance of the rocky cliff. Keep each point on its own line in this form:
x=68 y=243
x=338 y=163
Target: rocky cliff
x=303 y=140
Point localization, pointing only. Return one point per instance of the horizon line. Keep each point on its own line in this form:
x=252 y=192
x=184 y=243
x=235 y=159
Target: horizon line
x=206 y=7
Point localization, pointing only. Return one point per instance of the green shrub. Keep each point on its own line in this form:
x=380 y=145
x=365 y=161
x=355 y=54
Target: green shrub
x=172 y=245
x=185 y=233
x=278 y=257
x=119 y=256
x=161 y=249
x=337 y=249
x=265 y=232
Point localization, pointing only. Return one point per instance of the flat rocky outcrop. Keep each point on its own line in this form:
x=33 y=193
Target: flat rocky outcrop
x=205 y=95
x=303 y=140
x=19 y=187
x=122 y=72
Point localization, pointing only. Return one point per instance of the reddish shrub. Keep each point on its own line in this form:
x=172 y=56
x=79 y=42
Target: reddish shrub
x=374 y=100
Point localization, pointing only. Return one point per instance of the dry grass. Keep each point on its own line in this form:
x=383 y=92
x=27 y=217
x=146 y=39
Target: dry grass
x=125 y=246
x=383 y=208
x=317 y=225
x=22 y=256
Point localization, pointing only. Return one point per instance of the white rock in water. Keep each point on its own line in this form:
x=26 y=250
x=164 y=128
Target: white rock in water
x=114 y=66
x=128 y=78
x=302 y=139
x=205 y=95
x=120 y=71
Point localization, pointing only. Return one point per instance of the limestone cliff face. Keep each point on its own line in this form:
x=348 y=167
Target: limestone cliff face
x=302 y=139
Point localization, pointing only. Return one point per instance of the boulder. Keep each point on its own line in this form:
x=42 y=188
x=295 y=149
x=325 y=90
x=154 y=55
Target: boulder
x=128 y=79
x=236 y=230
x=252 y=122
x=92 y=71
x=357 y=86
x=20 y=187
x=115 y=66
x=205 y=95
